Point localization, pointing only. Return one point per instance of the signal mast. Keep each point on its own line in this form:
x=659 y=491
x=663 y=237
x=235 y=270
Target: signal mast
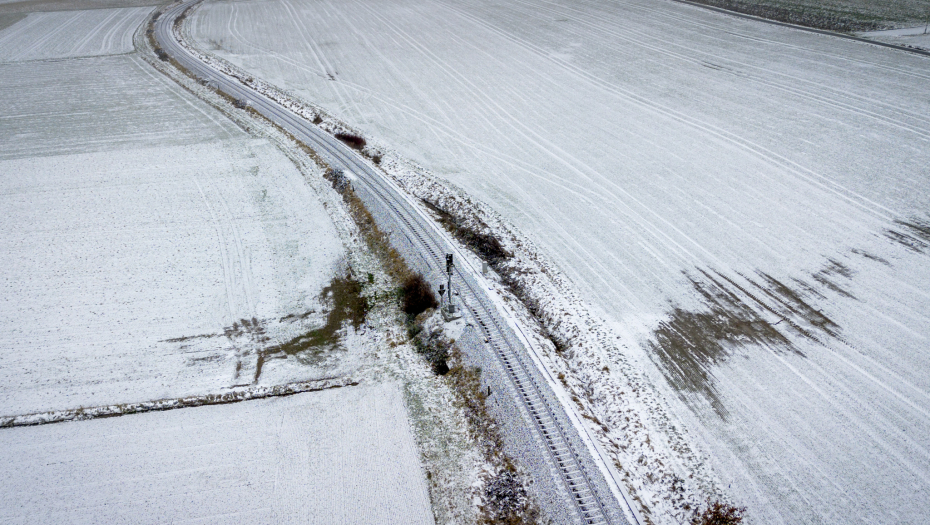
x=448 y=309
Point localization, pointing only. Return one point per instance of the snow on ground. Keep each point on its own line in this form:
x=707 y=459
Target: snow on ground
x=158 y=253
x=141 y=227
x=744 y=205
x=345 y=455
x=835 y=15
x=910 y=36
x=126 y=271
x=68 y=34
x=33 y=6
x=98 y=104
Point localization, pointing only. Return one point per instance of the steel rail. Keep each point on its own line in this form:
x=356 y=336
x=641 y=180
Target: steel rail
x=594 y=495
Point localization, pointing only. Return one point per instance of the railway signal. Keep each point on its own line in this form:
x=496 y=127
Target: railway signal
x=448 y=309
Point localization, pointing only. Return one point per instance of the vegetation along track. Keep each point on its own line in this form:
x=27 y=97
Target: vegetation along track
x=571 y=465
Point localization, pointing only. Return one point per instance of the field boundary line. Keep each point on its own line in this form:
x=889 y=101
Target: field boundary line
x=225 y=398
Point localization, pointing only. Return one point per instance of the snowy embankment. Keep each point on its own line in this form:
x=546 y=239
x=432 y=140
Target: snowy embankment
x=740 y=208
x=225 y=397
x=246 y=462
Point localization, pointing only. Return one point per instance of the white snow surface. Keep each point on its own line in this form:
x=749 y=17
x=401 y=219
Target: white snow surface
x=652 y=150
x=69 y=34
x=345 y=455
x=151 y=248
x=918 y=37
x=101 y=103
x=123 y=271
x=140 y=227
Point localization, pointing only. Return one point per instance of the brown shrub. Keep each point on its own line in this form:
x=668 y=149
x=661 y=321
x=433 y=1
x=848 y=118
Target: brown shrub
x=718 y=513
x=487 y=246
x=418 y=295
x=353 y=141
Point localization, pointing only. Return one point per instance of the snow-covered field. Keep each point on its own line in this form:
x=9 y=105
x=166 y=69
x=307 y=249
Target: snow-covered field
x=141 y=227
x=745 y=205
x=125 y=271
x=345 y=455
x=156 y=252
x=917 y=36
x=68 y=34
x=98 y=104
x=34 y=6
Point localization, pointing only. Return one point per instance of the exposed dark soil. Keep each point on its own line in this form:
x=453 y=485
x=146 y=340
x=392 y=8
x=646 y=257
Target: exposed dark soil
x=913 y=234
x=763 y=312
x=345 y=305
x=831 y=18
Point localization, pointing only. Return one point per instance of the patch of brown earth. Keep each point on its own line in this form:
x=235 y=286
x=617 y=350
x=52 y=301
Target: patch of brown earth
x=913 y=234
x=741 y=311
x=248 y=339
x=343 y=298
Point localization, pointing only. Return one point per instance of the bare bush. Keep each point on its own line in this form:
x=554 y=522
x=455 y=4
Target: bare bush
x=719 y=513
x=418 y=295
x=507 y=501
x=485 y=244
x=432 y=346
x=353 y=141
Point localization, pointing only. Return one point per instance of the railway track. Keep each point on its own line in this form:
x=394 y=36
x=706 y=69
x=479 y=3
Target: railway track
x=576 y=484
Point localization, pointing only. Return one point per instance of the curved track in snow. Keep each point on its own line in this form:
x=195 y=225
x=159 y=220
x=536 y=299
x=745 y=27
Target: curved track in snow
x=565 y=461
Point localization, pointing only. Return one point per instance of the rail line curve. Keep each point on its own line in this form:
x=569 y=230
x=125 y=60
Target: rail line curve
x=572 y=481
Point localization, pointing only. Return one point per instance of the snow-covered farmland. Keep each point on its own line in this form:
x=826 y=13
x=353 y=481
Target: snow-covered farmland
x=126 y=271
x=68 y=34
x=745 y=205
x=141 y=227
x=338 y=456
x=98 y=104
x=916 y=36
x=35 y=6
x=156 y=252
